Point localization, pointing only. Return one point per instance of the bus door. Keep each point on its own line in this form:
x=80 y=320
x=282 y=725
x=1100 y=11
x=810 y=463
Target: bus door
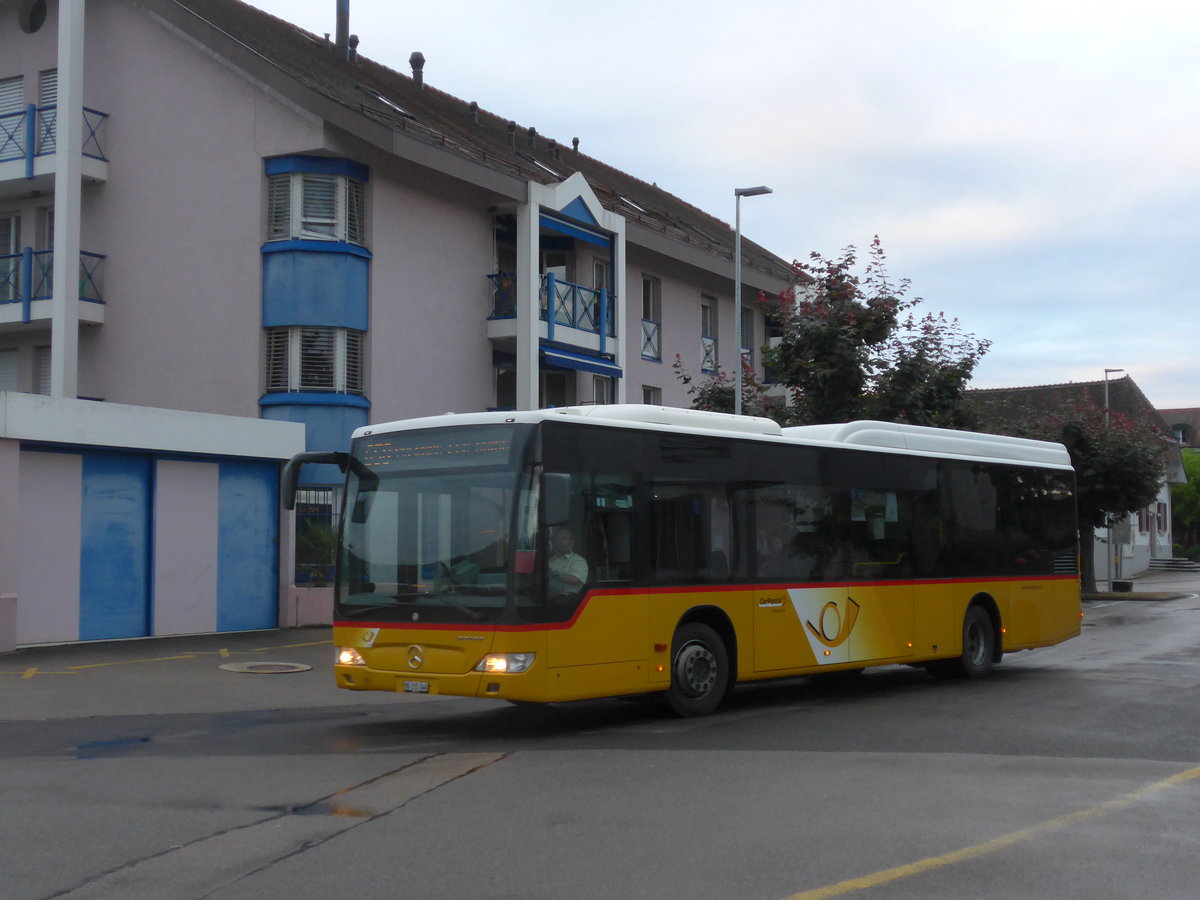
x=880 y=617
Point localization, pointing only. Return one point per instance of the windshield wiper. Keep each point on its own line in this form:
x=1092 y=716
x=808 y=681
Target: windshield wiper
x=442 y=598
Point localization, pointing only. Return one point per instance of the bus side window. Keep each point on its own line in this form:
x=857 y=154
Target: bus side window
x=693 y=533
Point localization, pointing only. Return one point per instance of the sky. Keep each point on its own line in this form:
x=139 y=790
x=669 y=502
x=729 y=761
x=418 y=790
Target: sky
x=1032 y=167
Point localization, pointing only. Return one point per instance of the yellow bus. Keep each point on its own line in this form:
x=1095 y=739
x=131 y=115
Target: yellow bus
x=599 y=551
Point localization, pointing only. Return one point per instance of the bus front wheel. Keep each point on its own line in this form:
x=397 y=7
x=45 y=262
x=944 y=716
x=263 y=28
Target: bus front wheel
x=700 y=673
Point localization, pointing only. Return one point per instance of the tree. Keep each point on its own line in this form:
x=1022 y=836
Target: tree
x=852 y=347
x=1119 y=463
x=1185 y=503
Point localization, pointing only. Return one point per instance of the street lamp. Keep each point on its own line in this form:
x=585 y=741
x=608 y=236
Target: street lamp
x=1108 y=550
x=738 y=194
x=1106 y=374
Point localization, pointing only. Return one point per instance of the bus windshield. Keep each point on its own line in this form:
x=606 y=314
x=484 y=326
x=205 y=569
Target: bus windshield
x=434 y=520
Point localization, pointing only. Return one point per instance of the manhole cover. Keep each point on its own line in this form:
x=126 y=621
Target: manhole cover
x=265 y=668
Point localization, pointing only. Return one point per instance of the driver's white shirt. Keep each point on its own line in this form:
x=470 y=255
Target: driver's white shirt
x=570 y=564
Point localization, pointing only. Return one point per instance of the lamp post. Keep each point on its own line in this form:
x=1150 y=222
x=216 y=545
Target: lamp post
x=1108 y=550
x=1106 y=374
x=738 y=194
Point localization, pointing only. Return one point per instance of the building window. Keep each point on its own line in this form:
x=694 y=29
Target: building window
x=708 y=333
x=651 y=318
x=651 y=396
x=315 y=206
x=601 y=389
x=8 y=370
x=747 y=336
x=12 y=123
x=307 y=358
x=316 y=534
x=41 y=369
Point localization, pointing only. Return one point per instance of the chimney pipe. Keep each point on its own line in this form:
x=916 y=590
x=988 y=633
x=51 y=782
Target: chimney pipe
x=352 y=56
x=342 y=44
x=474 y=112
x=417 y=61
x=575 y=145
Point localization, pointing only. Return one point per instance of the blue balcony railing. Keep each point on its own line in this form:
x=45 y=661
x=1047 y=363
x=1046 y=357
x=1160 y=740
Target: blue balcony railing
x=575 y=306
x=29 y=276
x=33 y=132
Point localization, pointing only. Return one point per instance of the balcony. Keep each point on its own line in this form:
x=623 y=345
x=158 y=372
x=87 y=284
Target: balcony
x=577 y=311
x=28 y=140
x=27 y=286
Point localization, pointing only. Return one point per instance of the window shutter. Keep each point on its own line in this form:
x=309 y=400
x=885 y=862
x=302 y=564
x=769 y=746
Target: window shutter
x=48 y=88
x=318 y=351
x=8 y=370
x=48 y=106
x=356 y=212
x=12 y=130
x=319 y=206
x=12 y=95
x=354 y=362
x=277 y=359
x=41 y=370
x=279 y=207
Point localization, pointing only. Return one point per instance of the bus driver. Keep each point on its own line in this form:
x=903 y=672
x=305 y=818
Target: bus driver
x=568 y=570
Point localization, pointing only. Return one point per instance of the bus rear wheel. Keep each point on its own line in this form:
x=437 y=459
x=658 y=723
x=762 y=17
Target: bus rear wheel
x=700 y=675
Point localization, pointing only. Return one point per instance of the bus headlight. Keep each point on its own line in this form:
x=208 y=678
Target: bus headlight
x=508 y=663
x=348 y=656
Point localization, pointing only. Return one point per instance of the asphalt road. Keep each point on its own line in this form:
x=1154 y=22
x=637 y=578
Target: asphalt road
x=142 y=769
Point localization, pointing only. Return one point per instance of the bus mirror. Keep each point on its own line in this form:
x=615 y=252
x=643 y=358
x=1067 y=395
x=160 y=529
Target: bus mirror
x=362 y=508
x=291 y=471
x=557 y=490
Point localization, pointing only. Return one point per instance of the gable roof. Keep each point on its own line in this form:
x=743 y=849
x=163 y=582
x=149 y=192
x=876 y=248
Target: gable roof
x=394 y=106
x=1017 y=404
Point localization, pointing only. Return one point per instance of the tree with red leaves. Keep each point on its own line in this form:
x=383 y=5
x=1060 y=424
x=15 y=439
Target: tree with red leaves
x=852 y=347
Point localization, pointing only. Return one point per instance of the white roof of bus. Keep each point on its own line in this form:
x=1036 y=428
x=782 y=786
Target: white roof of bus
x=906 y=439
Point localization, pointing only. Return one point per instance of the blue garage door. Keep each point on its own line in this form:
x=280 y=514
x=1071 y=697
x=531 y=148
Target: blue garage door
x=114 y=585
x=248 y=546
x=118 y=539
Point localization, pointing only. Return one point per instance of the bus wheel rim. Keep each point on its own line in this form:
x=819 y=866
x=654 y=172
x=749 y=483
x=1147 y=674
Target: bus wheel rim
x=976 y=644
x=696 y=669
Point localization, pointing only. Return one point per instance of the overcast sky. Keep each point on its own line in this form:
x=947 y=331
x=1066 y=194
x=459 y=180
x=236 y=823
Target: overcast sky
x=1032 y=167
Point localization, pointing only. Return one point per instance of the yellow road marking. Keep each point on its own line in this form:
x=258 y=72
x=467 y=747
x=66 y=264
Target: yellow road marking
x=1006 y=840
x=290 y=646
x=225 y=653
x=131 y=662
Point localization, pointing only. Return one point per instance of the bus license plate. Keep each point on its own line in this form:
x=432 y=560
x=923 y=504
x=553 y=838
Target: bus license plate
x=416 y=687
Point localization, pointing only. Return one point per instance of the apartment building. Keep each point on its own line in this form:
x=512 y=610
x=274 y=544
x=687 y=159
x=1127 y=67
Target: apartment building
x=267 y=227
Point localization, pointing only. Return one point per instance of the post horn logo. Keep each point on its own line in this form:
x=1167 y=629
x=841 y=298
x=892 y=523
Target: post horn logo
x=832 y=628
